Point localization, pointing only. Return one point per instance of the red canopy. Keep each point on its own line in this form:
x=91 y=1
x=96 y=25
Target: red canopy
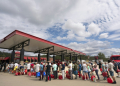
x=32 y=58
x=41 y=58
x=17 y=52
x=36 y=58
x=29 y=58
x=6 y=58
x=44 y=58
x=25 y=58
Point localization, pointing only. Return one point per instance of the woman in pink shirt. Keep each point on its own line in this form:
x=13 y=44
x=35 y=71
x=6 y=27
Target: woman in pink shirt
x=96 y=70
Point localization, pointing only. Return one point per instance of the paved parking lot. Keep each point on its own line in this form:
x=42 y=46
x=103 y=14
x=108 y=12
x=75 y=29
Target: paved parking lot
x=7 y=79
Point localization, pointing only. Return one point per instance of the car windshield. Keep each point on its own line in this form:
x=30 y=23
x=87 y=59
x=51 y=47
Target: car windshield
x=116 y=58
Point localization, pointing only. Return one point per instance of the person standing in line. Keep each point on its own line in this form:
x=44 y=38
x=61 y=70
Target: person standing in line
x=37 y=68
x=106 y=68
x=70 y=70
x=110 y=66
x=116 y=67
x=73 y=67
x=41 y=70
x=75 y=70
x=85 y=70
x=11 y=67
x=79 y=67
x=63 y=70
x=100 y=65
x=48 y=69
x=16 y=67
x=32 y=66
x=103 y=69
x=55 y=70
x=88 y=66
x=4 y=64
x=28 y=67
x=96 y=71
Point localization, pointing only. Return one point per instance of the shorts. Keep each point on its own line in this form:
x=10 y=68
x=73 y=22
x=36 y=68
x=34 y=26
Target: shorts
x=111 y=73
x=28 y=70
x=85 y=71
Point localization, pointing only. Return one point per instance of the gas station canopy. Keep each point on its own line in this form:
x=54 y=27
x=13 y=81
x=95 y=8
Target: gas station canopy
x=36 y=44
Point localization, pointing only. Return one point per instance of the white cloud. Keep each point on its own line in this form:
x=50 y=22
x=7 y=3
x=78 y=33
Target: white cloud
x=93 y=47
x=103 y=35
x=94 y=29
x=37 y=16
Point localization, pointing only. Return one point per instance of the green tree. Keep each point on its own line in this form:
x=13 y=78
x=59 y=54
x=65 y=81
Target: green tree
x=101 y=55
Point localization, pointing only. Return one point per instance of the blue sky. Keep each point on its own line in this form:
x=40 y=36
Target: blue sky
x=89 y=27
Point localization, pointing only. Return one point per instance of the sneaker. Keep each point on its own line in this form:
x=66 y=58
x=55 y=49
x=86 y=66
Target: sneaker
x=114 y=82
x=117 y=76
x=85 y=79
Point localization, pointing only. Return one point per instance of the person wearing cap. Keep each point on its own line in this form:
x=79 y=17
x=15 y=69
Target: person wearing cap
x=41 y=70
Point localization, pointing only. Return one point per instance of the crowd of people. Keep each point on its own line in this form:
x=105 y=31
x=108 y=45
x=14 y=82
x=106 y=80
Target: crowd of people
x=86 y=68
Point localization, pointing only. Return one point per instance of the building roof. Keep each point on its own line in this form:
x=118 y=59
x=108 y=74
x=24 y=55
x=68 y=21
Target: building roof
x=36 y=43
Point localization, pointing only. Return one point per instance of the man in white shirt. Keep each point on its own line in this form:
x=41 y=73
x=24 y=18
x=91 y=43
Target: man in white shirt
x=28 y=67
x=70 y=69
x=11 y=67
x=110 y=66
x=37 y=68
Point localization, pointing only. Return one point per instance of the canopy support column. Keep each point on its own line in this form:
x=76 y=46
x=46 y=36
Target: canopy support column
x=53 y=58
x=22 y=55
x=39 y=57
x=80 y=58
x=76 y=59
x=12 y=55
x=70 y=57
x=48 y=55
x=63 y=56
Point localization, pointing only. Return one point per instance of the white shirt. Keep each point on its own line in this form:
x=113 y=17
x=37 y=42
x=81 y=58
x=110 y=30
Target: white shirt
x=28 y=66
x=70 y=66
x=11 y=65
x=16 y=64
x=110 y=65
x=49 y=63
x=37 y=67
x=84 y=67
x=106 y=67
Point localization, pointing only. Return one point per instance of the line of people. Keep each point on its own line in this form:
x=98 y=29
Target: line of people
x=84 y=68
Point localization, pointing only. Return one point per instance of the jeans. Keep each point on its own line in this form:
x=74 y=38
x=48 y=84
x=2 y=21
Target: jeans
x=70 y=73
x=41 y=75
x=63 y=74
x=36 y=74
x=55 y=74
x=96 y=71
x=80 y=73
x=89 y=74
x=72 y=70
x=48 y=74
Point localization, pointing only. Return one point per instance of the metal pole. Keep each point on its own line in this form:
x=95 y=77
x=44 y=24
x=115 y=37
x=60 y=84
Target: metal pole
x=53 y=58
x=70 y=57
x=48 y=55
x=38 y=57
x=12 y=56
